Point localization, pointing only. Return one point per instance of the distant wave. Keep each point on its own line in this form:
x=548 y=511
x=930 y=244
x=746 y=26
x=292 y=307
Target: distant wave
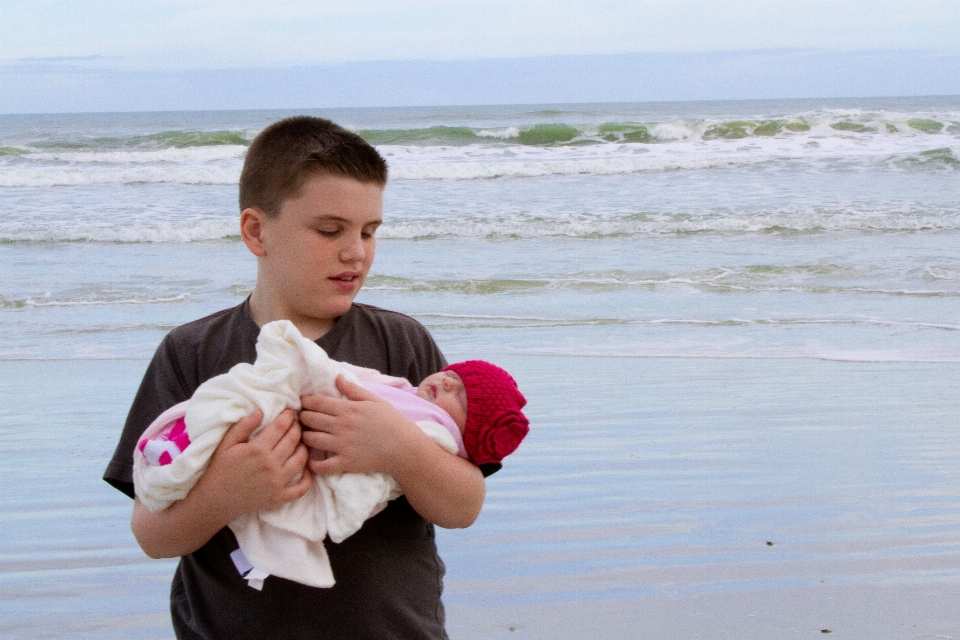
x=427 y=136
x=154 y=170
x=462 y=321
x=522 y=225
x=537 y=167
x=198 y=231
x=97 y=296
x=716 y=352
x=940 y=273
x=93 y=298
x=184 y=139
x=135 y=172
x=816 y=140
x=836 y=123
x=173 y=139
x=518 y=226
x=763 y=279
x=122 y=157
x=825 y=122
x=806 y=279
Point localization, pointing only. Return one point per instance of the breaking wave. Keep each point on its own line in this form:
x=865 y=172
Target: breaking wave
x=819 y=139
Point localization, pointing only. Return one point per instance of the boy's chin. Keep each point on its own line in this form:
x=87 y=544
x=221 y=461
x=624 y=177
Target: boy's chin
x=333 y=309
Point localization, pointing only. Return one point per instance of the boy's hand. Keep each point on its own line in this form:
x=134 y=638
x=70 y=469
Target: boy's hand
x=262 y=473
x=363 y=433
x=358 y=434
x=242 y=477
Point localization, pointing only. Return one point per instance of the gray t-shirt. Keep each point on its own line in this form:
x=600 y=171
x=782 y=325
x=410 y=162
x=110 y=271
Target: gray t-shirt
x=389 y=576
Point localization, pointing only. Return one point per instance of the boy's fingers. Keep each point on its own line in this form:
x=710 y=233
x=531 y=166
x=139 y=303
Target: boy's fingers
x=320 y=404
x=298 y=489
x=288 y=442
x=297 y=461
x=331 y=466
x=320 y=440
x=353 y=391
x=241 y=431
x=320 y=421
x=273 y=433
x=304 y=485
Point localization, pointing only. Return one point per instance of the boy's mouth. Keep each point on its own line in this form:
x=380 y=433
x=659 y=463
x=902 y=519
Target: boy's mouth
x=346 y=280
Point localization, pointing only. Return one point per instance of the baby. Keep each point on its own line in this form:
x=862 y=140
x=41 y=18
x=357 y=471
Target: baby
x=481 y=399
x=471 y=408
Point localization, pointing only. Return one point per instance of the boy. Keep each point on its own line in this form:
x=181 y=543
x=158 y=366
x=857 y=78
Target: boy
x=311 y=199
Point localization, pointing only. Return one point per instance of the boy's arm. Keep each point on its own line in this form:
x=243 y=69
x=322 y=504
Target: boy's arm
x=242 y=477
x=367 y=434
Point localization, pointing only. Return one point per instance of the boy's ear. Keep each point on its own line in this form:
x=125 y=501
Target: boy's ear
x=251 y=230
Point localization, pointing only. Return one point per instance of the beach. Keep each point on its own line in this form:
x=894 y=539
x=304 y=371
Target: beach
x=735 y=323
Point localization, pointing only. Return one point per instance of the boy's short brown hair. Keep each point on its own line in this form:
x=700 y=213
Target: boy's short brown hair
x=289 y=152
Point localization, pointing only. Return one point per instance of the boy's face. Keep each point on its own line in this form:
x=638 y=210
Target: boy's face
x=315 y=255
x=445 y=389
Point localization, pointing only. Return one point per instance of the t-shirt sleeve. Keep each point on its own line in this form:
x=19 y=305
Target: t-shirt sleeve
x=163 y=386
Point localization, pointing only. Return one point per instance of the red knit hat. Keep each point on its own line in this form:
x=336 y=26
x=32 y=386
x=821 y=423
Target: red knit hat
x=495 y=426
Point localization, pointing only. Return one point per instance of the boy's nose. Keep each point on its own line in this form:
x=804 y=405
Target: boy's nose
x=352 y=250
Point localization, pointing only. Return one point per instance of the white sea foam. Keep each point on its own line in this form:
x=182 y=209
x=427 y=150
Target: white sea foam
x=54 y=176
x=542 y=321
x=627 y=224
x=99 y=301
x=888 y=140
x=503 y=133
x=941 y=273
x=197 y=231
x=558 y=167
x=830 y=152
x=668 y=131
x=188 y=155
x=515 y=225
x=704 y=350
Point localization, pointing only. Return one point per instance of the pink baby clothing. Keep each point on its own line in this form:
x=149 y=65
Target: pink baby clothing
x=166 y=446
x=417 y=409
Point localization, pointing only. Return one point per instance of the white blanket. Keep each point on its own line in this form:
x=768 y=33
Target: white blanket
x=286 y=541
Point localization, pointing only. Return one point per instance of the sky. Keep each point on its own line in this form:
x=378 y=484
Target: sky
x=51 y=46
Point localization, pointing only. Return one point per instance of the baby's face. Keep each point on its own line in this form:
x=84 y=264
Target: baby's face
x=445 y=389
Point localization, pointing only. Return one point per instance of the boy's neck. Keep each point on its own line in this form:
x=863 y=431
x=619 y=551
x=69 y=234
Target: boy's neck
x=264 y=310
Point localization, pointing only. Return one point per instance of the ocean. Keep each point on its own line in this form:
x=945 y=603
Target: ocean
x=737 y=324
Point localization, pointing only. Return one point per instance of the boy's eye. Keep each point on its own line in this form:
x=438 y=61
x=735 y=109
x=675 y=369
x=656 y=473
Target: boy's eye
x=328 y=233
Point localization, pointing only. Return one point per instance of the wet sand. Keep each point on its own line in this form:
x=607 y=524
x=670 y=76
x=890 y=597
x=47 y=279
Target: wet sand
x=640 y=506
x=920 y=610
